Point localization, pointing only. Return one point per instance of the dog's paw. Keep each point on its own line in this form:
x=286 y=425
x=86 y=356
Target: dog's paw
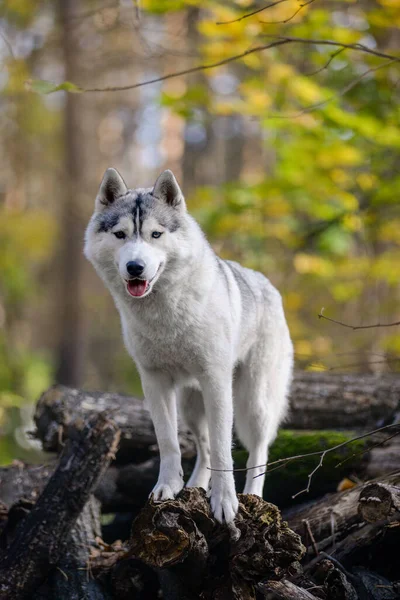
x=223 y=500
x=166 y=491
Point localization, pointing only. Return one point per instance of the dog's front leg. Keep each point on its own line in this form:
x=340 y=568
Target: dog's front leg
x=160 y=396
x=217 y=393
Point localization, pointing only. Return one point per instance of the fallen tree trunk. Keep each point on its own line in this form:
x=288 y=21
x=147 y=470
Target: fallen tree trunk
x=318 y=401
x=337 y=401
x=127 y=487
x=336 y=525
x=40 y=537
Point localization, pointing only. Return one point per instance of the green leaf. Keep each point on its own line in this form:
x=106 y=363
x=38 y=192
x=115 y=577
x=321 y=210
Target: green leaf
x=41 y=86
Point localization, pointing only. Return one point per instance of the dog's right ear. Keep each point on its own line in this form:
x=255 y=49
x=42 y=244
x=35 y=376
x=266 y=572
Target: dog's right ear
x=112 y=186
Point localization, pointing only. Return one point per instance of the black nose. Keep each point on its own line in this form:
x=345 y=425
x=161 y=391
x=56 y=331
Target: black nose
x=135 y=267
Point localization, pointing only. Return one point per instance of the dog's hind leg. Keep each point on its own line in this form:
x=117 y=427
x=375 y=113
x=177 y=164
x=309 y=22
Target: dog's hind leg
x=194 y=417
x=260 y=392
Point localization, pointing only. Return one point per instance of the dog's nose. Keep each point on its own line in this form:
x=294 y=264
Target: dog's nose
x=135 y=267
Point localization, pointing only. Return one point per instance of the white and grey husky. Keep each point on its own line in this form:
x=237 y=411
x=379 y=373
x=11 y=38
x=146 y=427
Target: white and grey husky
x=206 y=334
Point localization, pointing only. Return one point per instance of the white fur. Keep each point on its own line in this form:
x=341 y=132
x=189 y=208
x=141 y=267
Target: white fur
x=203 y=338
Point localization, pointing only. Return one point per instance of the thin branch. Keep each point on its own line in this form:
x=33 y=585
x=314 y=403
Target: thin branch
x=91 y=13
x=355 y=454
x=354 y=327
x=7 y=43
x=357 y=46
x=290 y=18
x=308 y=529
x=219 y=63
x=326 y=65
x=339 y=94
x=251 y=14
x=364 y=364
x=279 y=41
x=311 y=475
x=308 y=454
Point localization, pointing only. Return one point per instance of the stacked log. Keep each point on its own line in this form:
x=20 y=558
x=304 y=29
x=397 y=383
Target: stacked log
x=340 y=545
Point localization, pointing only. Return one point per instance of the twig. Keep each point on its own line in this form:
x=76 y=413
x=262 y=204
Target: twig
x=7 y=43
x=326 y=65
x=92 y=13
x=363 y=364
x=251 y=14
x=219 y=63
x=311 y=475
x=339 y=94
x=311 y=535
x=315 y=453
x=357 y=46
x=290 y=18
x=355 y=454
x=354 y=327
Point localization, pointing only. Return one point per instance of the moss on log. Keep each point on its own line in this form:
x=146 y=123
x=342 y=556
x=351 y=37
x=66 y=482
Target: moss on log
x=284 y=482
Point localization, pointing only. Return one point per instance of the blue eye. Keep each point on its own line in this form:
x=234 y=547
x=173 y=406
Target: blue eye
x=120 y=235
x=156 y=234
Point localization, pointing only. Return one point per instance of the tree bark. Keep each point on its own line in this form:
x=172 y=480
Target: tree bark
x=333 y=401
x=40 y=538
x=69 y=312
x=197 y=557
x=60 y=410
x=73 y=579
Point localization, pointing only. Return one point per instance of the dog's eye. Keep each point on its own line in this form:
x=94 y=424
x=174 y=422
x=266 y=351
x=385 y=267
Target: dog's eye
x=156 y=234
x=120 y=235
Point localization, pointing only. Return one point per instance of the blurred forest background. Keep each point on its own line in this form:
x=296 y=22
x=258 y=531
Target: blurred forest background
x=288 y=153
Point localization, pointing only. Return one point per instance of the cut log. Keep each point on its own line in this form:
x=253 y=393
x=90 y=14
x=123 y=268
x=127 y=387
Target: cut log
x=198 y=556
x=377 y=501
x=40 y=538
x=334 y=524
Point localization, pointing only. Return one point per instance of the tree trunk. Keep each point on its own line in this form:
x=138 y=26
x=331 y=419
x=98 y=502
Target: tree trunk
x=69 y=314
x=41 y=536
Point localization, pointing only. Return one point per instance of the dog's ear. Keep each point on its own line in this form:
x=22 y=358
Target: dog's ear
x=167 y=189
x=111 y=187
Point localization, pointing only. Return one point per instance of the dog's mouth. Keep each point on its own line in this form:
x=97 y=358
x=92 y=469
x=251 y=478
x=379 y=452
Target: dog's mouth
x=137 y=287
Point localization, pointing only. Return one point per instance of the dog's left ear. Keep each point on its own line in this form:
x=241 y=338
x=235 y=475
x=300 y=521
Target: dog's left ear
x=167 y=189
x=111 y=187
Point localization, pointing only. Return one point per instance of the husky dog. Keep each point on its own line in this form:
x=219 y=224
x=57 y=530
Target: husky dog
x=206 y=334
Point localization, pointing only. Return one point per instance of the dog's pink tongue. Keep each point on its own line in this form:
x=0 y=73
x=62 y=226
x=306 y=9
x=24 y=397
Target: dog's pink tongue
x=137 y=287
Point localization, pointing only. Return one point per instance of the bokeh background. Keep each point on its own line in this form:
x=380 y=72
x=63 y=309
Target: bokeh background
x=289 y=157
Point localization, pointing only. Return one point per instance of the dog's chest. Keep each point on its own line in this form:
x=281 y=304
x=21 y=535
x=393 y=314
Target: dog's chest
x=164 y=340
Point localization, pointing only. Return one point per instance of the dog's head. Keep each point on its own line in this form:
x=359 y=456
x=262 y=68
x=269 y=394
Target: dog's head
x=133 y=234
